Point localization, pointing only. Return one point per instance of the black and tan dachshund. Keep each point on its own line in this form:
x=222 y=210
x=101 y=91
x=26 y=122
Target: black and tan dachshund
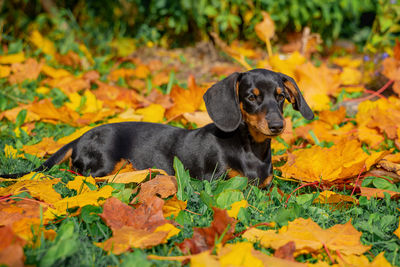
x=246 y=109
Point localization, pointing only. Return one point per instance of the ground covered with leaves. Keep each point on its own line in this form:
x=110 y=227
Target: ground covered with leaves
x=333 y=201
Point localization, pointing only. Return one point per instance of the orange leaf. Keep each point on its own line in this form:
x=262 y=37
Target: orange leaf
x=378 y=193
x=25 y=71
x=162 y=185
x=189 y=100
x=309 y=237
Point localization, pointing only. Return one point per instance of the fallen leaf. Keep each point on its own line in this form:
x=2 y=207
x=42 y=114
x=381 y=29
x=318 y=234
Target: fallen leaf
x=129 y=177
x=11 y=248
x=286 y=251
x=201 y=118
x=204 y=238
x=239 y=254
x=355 y=261
x=378 y=193
x=189 y=100
x=346 y=159
x=329 y=197
x=152 y=113
x=80 y=184
x=162 y=186
x=12 y=58
x=42 y=43
x=173 y=206
x=5 y=71
x=309 y=237
x=235 y=208
x=25 y=71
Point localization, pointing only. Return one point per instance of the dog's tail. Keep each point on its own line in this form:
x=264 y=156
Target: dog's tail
x=60 y=156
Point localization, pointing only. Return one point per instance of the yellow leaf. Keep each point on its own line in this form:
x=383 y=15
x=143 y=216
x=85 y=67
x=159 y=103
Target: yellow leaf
x=309 y=237
x=201 y=118
x=350 y=76
x=18 y=130
x=46 y=147
x=204 y=259
x=129 y=177
x=355 y=261
x=346 y=159
x=88 y=55
x=55 y=73
x=240 y=255
x=79 y=184
x=37 y=185
x=78 y=133
x=333 y=198
x=287 y=65
x=169 y=228
x=40 y=42
x=152 y=113
x=95 y=198
x=173 y=206
x=124 y=46
x=30 y=229
x=235 y=208
x=4 y=71
x=43 y=90
x=13 y=58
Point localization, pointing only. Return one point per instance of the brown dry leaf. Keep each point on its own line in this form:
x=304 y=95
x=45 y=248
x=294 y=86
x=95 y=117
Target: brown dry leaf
x=142 y=227
x=346 y=159
x=378 y=193
x=25 y=71
x=265 y=30
x=11 y=248
x=130 y=176
x=173 y=206
x=389 y=166
x=147 y=216
x=204 y=238
x=309 y=237
x=286 y=251
x=189 y=100
x=162 y=186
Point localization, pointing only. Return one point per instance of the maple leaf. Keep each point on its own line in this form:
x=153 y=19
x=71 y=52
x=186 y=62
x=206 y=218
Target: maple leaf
x=45 y=147
x=189 y=100
x=239 y=254
x=265 y=30
x=346 y=159
x=236 y=206
x=54 y=73
x=173 y=206
x=204 y=238
x=4 y=71
x=201 y=118
x=152 y=113
x=287 y=65
x=162 y=185
x=286 y=251
x=95 y=198
x=42 y=43
x=378 y=193
x=355 y=261
x=129 y=176
x=25 y=71
x=309 y=237
x=13 y=211
x=80 y=184
x=40 y=188
x=331 y=197
x=142 y=227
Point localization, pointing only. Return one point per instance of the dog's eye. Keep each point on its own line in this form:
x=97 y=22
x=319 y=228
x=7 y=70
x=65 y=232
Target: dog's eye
x=251 y=98
x=281 y=97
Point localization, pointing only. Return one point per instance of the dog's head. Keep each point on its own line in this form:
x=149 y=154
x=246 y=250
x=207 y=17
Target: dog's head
x=256 y=98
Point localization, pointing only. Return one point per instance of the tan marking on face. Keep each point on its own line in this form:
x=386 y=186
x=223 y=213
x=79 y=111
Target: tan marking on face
x=256 y=92
x=266 y=182
x=233 y=173
x=279 y=90
x=257 y=124
x=66 y=156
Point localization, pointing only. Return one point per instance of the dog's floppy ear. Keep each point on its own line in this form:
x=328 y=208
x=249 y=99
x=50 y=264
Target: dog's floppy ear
x=295 y=97
x=222 y=103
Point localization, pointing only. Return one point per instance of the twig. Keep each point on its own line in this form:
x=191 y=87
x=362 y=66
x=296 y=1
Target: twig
x=356 y=184
x=304 y=185
x=329 y=254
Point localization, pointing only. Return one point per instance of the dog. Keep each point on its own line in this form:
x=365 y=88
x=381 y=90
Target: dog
x=247 y=111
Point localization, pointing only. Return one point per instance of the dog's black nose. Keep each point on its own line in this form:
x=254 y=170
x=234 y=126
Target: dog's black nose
x=276 y=127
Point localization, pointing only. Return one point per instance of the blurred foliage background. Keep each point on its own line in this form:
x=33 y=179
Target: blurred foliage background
x=174 y=23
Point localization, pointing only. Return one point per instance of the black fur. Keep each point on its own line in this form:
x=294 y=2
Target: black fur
x=225 y=145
